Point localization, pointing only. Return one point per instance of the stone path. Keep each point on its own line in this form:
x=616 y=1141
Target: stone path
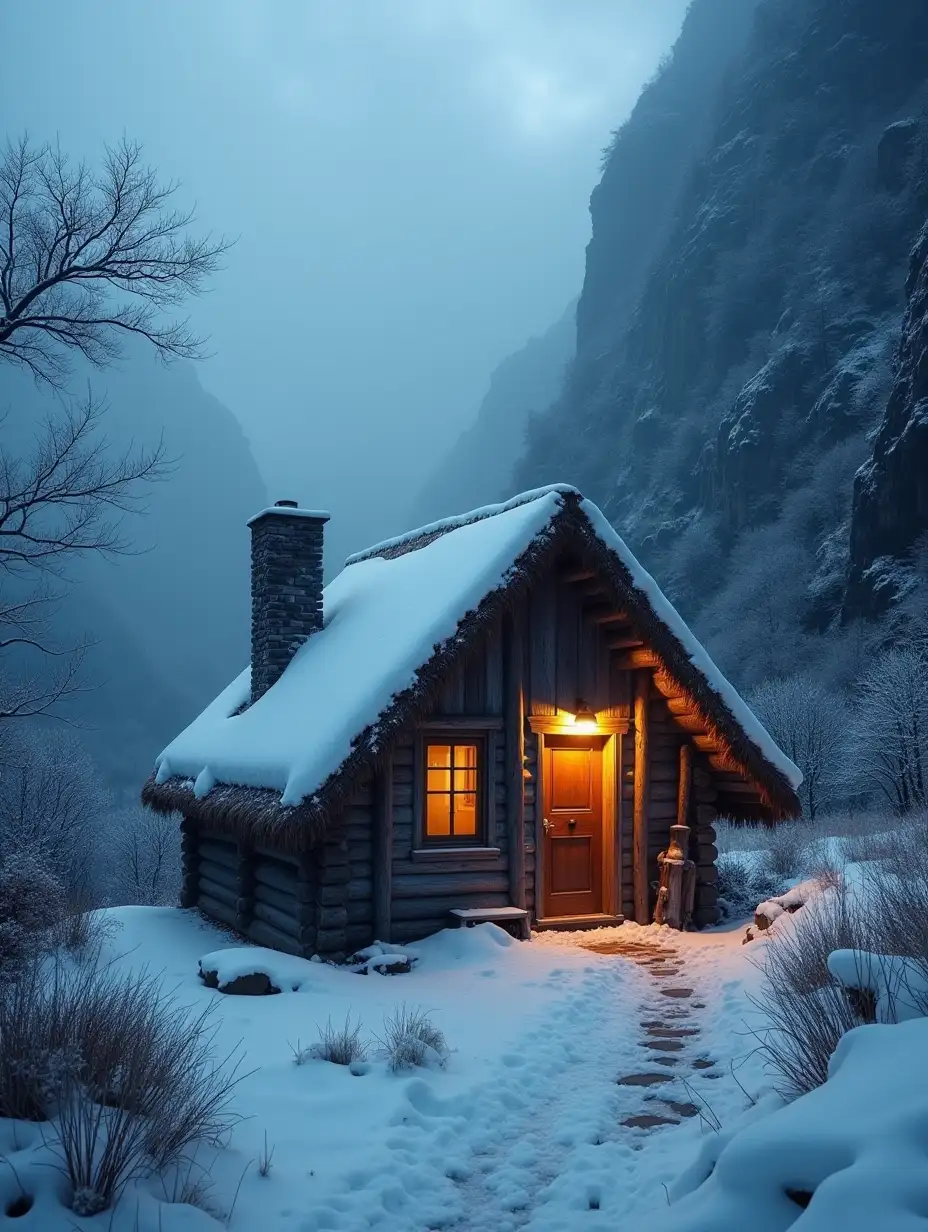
x=669 y=1036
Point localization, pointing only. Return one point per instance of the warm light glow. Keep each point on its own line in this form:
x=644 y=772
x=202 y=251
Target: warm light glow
x=451 y=790
x=583 y=722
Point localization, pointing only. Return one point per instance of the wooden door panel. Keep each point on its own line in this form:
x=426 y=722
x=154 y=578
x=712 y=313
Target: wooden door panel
x=571 y=865
x=574 y=826
x=571 y=779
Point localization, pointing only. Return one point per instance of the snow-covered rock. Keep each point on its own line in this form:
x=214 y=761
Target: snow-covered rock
x=850 y=1156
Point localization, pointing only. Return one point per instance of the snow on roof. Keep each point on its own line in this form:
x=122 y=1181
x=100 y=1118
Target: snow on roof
x=383 y=616
x=382 y=619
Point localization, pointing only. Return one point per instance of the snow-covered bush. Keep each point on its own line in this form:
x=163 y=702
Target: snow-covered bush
x=411 y=1040
x=147 y=868
x=786 y=849
x=52 y=802
x=743 y=883
x=808 y=721
x=341 y=1045
x=31 y=905
x=845 y=1156
x=889 y=729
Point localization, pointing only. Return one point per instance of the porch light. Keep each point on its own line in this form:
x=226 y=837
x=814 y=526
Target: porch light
x=584 y=719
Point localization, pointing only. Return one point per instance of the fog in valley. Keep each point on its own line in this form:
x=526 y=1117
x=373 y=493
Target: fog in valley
x=408 y=186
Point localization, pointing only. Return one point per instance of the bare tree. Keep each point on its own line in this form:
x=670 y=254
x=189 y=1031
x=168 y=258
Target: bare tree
x=889 y=728
x=147 y=858
x=809 y=723
x=86 y=256
x=64 y=499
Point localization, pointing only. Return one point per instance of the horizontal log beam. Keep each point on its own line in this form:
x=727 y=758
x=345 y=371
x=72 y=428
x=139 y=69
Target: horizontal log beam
x=611 y=616
x=265 y=934
x=707 y=744
x=624 y=643
x=632 y=660
x=452 y=884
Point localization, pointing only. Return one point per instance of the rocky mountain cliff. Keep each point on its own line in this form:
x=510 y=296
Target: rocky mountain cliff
x=742 y=306
x=169 y=621
x=890 y=517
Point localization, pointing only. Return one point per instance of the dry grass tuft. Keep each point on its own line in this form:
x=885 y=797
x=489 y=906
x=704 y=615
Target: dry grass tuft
x=340 y=1045
x=128 y=1079
x=410 y=1040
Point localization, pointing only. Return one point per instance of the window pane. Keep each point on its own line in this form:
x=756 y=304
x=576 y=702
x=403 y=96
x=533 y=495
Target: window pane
x=465 y=815
x=437 y=816
x=438 y=755
x=438 y=780
x=465 y=755
x=465 y=780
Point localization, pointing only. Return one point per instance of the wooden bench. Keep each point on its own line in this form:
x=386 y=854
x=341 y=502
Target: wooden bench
x=468 y=916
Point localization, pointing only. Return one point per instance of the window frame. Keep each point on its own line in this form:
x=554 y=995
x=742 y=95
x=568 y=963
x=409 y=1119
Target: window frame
x=425 y=841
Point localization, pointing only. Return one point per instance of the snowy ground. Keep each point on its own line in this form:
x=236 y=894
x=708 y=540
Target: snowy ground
x=522 y=1129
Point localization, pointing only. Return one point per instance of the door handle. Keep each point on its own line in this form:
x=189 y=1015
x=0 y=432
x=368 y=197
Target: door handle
x=572 y=823
x=548 y=826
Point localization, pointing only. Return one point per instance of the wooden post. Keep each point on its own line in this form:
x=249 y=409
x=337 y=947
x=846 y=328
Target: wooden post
x=383 y=854
x=515 y=759
x=642 y=793
x=677 y=888
x=685 y=784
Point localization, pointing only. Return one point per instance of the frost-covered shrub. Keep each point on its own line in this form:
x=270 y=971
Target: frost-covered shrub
x=31 y=903
x=411 y=1040
x=743 y=884
x=786 y=849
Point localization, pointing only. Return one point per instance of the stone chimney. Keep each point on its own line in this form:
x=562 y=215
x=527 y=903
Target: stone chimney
x=286 y=587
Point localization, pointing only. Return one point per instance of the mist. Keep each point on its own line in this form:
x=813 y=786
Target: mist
x=407 y=184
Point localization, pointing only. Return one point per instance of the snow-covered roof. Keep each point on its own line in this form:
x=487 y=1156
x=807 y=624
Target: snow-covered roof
x=386 y=614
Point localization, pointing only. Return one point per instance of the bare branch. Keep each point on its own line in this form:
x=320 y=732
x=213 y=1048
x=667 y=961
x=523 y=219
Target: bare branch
x=85 y=257
x=67 y=498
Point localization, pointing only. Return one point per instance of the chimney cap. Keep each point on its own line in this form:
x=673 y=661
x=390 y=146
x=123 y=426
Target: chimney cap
x=289 y=509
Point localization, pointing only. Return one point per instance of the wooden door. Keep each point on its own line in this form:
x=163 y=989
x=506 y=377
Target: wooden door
x=573 y=826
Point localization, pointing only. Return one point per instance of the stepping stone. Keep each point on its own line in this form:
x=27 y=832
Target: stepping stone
x=681 y=1108
x=703 y=1063
x=643 y=1080
x=645 y=1120
x=663 y=972
x=667 y=1060
x=663 y=1045
x=676 y=992
x=659 y=1031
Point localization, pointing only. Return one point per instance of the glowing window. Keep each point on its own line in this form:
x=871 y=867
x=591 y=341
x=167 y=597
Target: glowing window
x=453 y=790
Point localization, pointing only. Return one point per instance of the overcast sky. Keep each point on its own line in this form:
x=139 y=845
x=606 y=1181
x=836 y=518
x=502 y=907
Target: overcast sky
x=408 y=178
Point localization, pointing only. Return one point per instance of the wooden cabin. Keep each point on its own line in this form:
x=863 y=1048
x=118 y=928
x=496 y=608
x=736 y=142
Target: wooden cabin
x=498 y=716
